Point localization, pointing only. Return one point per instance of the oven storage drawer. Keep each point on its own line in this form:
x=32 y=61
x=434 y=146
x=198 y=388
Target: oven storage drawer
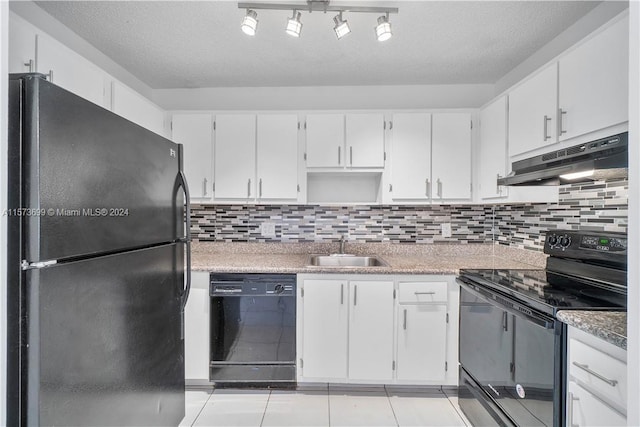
x=422 y=292
x=600 y=373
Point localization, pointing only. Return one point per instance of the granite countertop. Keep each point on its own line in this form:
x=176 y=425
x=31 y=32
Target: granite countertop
x=402 y=259
x=610 y=326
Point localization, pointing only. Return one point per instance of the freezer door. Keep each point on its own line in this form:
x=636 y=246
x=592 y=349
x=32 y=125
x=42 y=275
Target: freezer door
x=104 y=341
x=93 y=181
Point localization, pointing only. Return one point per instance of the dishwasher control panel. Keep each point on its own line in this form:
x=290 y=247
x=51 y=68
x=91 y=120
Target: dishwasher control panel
x=252 y=284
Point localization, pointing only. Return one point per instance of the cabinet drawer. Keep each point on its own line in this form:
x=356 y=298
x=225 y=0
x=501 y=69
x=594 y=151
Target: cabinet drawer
x=584 y=409
x=422 y=292
x=598 y=372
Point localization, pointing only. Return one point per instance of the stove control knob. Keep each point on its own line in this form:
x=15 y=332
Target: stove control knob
x=565 y=241
x=553 y=240
x=279 y=289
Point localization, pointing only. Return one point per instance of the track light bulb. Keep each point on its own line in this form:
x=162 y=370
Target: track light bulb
x=383 y=29
x=294 y=26
x=342 y=26
x=250 y=23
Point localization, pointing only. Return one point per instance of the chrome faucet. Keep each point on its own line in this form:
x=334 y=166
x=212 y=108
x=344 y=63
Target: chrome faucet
x=342 y=242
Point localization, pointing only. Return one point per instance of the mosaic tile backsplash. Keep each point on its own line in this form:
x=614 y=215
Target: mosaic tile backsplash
x=589 y=206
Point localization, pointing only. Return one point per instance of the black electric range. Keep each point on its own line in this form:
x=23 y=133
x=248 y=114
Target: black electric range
x=512 y=347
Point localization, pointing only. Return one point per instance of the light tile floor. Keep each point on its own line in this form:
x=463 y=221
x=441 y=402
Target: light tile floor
x=324 y=406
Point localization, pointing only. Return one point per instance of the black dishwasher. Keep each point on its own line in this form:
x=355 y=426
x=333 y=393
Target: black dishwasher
x=253 y=329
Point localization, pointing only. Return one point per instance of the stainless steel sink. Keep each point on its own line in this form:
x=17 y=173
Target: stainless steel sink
x=345 y=260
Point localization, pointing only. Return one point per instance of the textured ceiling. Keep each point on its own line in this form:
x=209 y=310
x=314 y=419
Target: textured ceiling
x=199 y=43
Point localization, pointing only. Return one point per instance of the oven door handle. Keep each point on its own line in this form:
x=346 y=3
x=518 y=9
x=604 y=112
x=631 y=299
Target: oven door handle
x=535 y=319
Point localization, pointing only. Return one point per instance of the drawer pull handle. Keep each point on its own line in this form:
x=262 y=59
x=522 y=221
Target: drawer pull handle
x=585 y=368
x=404 y=325
x=572 y=399
x=424 y=293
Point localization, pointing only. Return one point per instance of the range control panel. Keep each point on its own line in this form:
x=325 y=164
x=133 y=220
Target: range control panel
x=586 y=245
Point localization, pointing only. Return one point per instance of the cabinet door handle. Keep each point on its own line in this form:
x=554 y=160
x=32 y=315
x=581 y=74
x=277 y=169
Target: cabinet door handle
x=427 y=191
x=339 y=154
x=260 y=188
x=204 y=187
x=498 y=188
x=350 y=155
x=31 y=64
x=439 y=188
x=544 y=127
x=342 y=293
x=355 y=294
x=505 y=321
x=404 y=323
x=249 y=188
x=572 y=399
x=49 y=76
x=561 y=113
x=585 y=368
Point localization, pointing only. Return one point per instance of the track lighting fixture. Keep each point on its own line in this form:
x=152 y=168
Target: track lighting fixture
x=383 y=29
x=294 y=24
x=342 y=26
x=250 y=23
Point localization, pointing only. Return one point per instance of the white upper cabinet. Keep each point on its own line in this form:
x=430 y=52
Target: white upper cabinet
x=195 y=132
x=533 y=111
x=22 y=45
x=325 y=140
x=493 y=148
x=410 y=156
x=594 y=82
x=235 y=156
x=451 y=154
x=277 y=161
x=365 y=140
x=69 y=70
x=371 y=330
x=131 y=105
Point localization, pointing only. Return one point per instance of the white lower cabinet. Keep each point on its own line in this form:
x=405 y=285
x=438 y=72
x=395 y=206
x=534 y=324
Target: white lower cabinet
x=377 y=329
x=370 y=330
x=324 y=330
x=196 y=330
x=597 y=378
x=422 y=342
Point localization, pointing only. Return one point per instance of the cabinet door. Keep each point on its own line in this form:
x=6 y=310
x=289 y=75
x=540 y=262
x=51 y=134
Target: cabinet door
x=69 y=70
x=584 y=409
x=132 y=106
x=22 y=45
x=325 y=140
x=325 y=326
x=195 y=132
x=533 y=111
x=594 y=82
x=371 y=330
x=451 y=151
x=277 y=161
x=411 y=156
x=365 y=140
x=422 y=342
x=196 y=329
x=493 y=149
x=235 y=156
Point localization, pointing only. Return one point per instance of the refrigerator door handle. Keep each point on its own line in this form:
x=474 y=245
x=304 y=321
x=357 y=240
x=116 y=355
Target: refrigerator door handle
x=185 y=187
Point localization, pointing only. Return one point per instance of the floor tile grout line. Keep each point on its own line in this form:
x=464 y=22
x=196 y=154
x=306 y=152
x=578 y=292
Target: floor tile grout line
x=202 y=409
x=455 y=408
x=395 y=417
x=265 y=408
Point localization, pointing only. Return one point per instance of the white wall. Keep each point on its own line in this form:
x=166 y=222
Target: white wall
x=4 y=97
x=324 y=97
x=633 y=310
x=586 y=25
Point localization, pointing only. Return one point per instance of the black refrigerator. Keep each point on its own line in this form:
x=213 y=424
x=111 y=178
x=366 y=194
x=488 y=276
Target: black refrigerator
x=98 y=268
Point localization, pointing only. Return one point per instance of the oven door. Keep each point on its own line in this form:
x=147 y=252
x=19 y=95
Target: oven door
x=510 y=355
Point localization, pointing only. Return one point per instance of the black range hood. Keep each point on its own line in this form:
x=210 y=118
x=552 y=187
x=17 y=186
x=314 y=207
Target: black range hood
x=603 y=159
